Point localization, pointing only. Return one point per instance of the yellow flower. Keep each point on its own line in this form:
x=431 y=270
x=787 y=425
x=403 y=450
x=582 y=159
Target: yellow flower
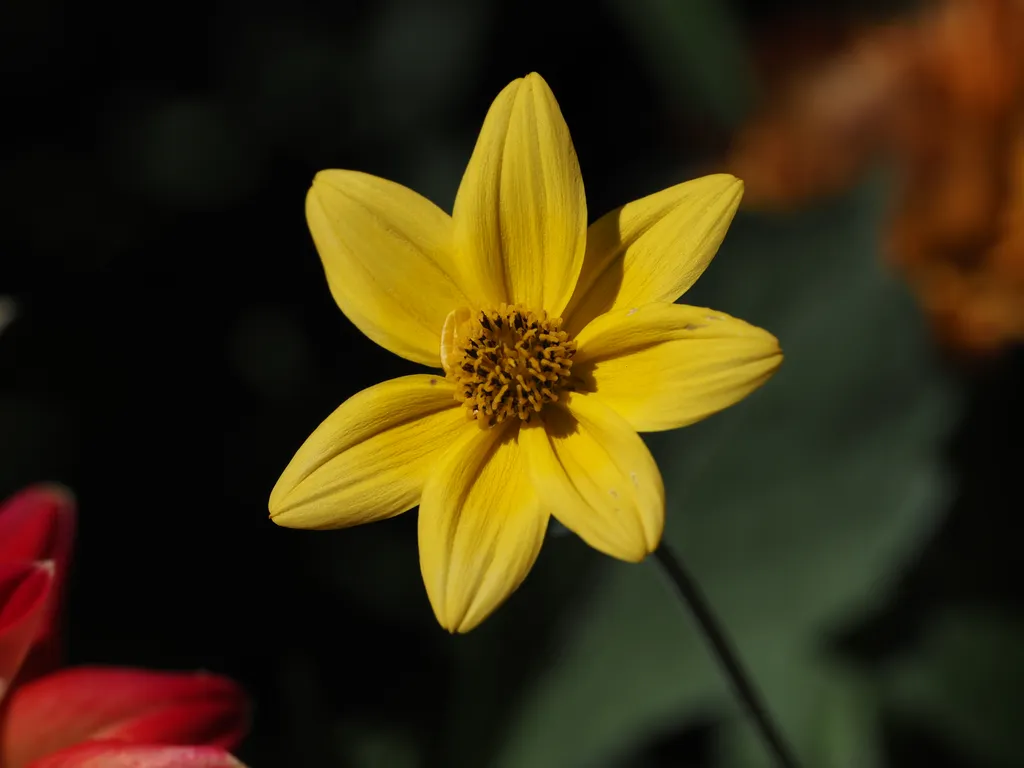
x=558 y=343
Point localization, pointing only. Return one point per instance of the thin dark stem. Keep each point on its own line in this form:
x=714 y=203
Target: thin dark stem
x=741 y=683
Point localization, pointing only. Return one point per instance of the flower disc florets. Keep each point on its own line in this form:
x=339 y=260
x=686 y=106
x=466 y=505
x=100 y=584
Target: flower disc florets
x=506 y=362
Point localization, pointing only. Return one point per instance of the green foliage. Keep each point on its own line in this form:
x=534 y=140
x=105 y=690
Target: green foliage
x=695 y=51
x=965 y=683
x=830 y=715
x=793 y=509
x=796 y=510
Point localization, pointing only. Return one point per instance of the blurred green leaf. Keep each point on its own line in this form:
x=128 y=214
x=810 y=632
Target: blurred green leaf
x=830 y=717
x=189 y=152
x=415 y=56
x=793 y=509
x=371 y=745
x=695 y=48
x=966 y=683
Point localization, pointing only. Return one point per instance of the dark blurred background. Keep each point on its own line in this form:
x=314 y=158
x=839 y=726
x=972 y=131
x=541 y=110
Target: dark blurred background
x=173 y=342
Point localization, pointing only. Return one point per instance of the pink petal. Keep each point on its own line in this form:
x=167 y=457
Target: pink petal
x=82 y=703
x=112 y=754
x=25 y=590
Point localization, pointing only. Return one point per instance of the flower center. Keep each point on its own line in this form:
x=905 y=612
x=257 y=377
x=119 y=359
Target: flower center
x=506 y=362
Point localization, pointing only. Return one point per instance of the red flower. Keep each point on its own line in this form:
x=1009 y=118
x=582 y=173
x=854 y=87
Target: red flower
x=134 y=706
x=91 y=716
x=25 y=590
x=39 y=524
x=113 y=754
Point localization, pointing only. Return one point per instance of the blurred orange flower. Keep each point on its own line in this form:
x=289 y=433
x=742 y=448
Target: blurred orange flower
x=940 y=98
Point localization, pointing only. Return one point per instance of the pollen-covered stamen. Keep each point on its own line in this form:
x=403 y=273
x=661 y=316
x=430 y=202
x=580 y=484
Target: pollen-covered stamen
x=506 y=362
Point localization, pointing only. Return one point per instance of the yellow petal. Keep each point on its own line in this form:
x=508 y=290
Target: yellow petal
x=389 y=258
x=663 y=366
x=370 y=458
x=480 y=527
x=520 y=213
x=653 y=249
x=597 y=477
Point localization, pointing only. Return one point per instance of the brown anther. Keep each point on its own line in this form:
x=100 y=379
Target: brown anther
x=506 y=362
